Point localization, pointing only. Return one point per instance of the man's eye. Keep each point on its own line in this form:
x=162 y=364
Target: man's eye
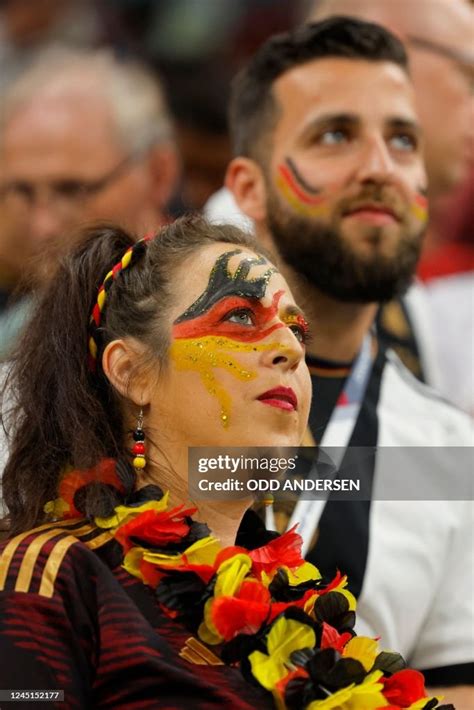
x=241 y=316
x=70 y=188
x=20 y=190
x=404 y=141
x=333 y=137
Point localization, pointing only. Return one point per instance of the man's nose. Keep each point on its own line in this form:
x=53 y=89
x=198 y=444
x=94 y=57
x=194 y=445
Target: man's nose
x=376 y=164
x=44 y=223
x=284 y=351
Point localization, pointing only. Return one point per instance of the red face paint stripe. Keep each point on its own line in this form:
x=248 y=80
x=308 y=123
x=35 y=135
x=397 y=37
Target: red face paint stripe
x=211 y=323
x=421 y=201
x=303 y=196
x=296 y=203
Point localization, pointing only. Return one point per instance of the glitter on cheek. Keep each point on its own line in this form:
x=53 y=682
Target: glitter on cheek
x=203 y=355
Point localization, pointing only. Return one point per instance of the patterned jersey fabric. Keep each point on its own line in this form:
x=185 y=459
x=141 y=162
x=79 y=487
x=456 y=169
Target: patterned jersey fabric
x=72 y=619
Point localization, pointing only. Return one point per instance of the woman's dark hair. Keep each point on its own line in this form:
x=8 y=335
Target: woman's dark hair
x=59 y=412
x=253 y=108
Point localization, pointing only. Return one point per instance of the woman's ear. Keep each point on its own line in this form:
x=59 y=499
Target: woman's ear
x=245 y=179
x=119 y=363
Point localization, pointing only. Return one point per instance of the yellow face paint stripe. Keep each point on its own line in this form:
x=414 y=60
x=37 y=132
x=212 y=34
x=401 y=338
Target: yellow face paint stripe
x=420 y=212
x=296 y=203
x=203 y=355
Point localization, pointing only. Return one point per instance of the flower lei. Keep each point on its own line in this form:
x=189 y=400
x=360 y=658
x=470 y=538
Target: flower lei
x=267 y=609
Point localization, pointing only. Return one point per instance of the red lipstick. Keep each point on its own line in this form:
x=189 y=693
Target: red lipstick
x=281 y=397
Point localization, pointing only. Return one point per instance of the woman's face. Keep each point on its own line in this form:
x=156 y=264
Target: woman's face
x=236 y=374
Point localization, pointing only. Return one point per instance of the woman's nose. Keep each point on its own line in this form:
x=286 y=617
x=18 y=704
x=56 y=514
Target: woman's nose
x=283 y=351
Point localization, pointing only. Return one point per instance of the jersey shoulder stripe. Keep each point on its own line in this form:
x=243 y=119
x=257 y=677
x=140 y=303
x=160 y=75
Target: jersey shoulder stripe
x=31 y=561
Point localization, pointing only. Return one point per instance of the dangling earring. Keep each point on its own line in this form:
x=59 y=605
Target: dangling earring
x=138 y=450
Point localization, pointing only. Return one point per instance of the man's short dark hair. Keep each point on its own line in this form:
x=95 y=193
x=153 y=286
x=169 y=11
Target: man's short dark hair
x=253 y=109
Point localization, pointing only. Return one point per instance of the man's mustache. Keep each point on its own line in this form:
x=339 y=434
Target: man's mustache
x=376 y=196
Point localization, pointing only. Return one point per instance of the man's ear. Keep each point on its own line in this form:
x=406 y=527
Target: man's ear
x=119 y=363
x=245 y=179
x=164 y=167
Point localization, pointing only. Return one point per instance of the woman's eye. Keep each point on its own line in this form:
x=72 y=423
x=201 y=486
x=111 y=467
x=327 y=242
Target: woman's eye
x=299 y=332
x=404 y=141
x=241 y=316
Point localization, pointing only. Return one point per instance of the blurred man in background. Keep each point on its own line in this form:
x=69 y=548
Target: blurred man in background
x=439 y=36
x=83 y=137
x=329 y=168
x=432 y=328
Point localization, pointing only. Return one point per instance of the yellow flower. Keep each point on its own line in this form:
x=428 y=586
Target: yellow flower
x=362 y=649
x=420 y=704
x=231 y=574
x=341 y=588
x=161 y=559
x=207 y=632
x=366 y=696
x=132 y=561
x=285 y=637
x=203 y=552
x=303 y=573
x=123 y=512
x=56 y=507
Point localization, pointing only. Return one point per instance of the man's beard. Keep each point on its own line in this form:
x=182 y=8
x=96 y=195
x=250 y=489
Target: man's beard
x=320 y=253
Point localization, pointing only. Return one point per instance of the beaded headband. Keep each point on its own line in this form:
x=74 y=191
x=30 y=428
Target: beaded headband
x=131 y=256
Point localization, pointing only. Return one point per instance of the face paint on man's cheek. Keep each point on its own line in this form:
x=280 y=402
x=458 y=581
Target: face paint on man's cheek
x=419 y=205
x=304 y=198
x=202 y=341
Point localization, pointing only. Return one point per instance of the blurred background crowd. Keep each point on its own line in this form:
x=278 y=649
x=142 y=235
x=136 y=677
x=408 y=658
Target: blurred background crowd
x=116 y=110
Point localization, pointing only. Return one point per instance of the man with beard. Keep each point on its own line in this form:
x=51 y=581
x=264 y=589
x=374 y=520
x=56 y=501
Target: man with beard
x=329 y=168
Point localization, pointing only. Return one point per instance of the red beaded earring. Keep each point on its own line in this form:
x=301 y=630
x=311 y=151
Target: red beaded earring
x=138 y=450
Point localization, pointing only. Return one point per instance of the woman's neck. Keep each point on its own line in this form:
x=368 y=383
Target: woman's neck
x=223 y=517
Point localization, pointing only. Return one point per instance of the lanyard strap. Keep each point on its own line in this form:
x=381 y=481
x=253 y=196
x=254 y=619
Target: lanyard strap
x=338 y=433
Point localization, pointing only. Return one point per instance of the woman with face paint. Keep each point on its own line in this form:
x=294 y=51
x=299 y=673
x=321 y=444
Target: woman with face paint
x=115 y=590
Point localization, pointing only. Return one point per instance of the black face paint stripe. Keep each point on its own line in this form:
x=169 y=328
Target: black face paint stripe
x=222 y=283
x=299 y=179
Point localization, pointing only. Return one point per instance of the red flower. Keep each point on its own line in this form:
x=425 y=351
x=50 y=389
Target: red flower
x=244 y=613
x=284 y=551
x=404 y=688
x=157 y=529
x=151 y=574
x=332 y=639
x=104 y=472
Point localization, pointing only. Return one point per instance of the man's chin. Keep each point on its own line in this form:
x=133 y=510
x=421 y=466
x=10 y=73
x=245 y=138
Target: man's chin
x=368 y=239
